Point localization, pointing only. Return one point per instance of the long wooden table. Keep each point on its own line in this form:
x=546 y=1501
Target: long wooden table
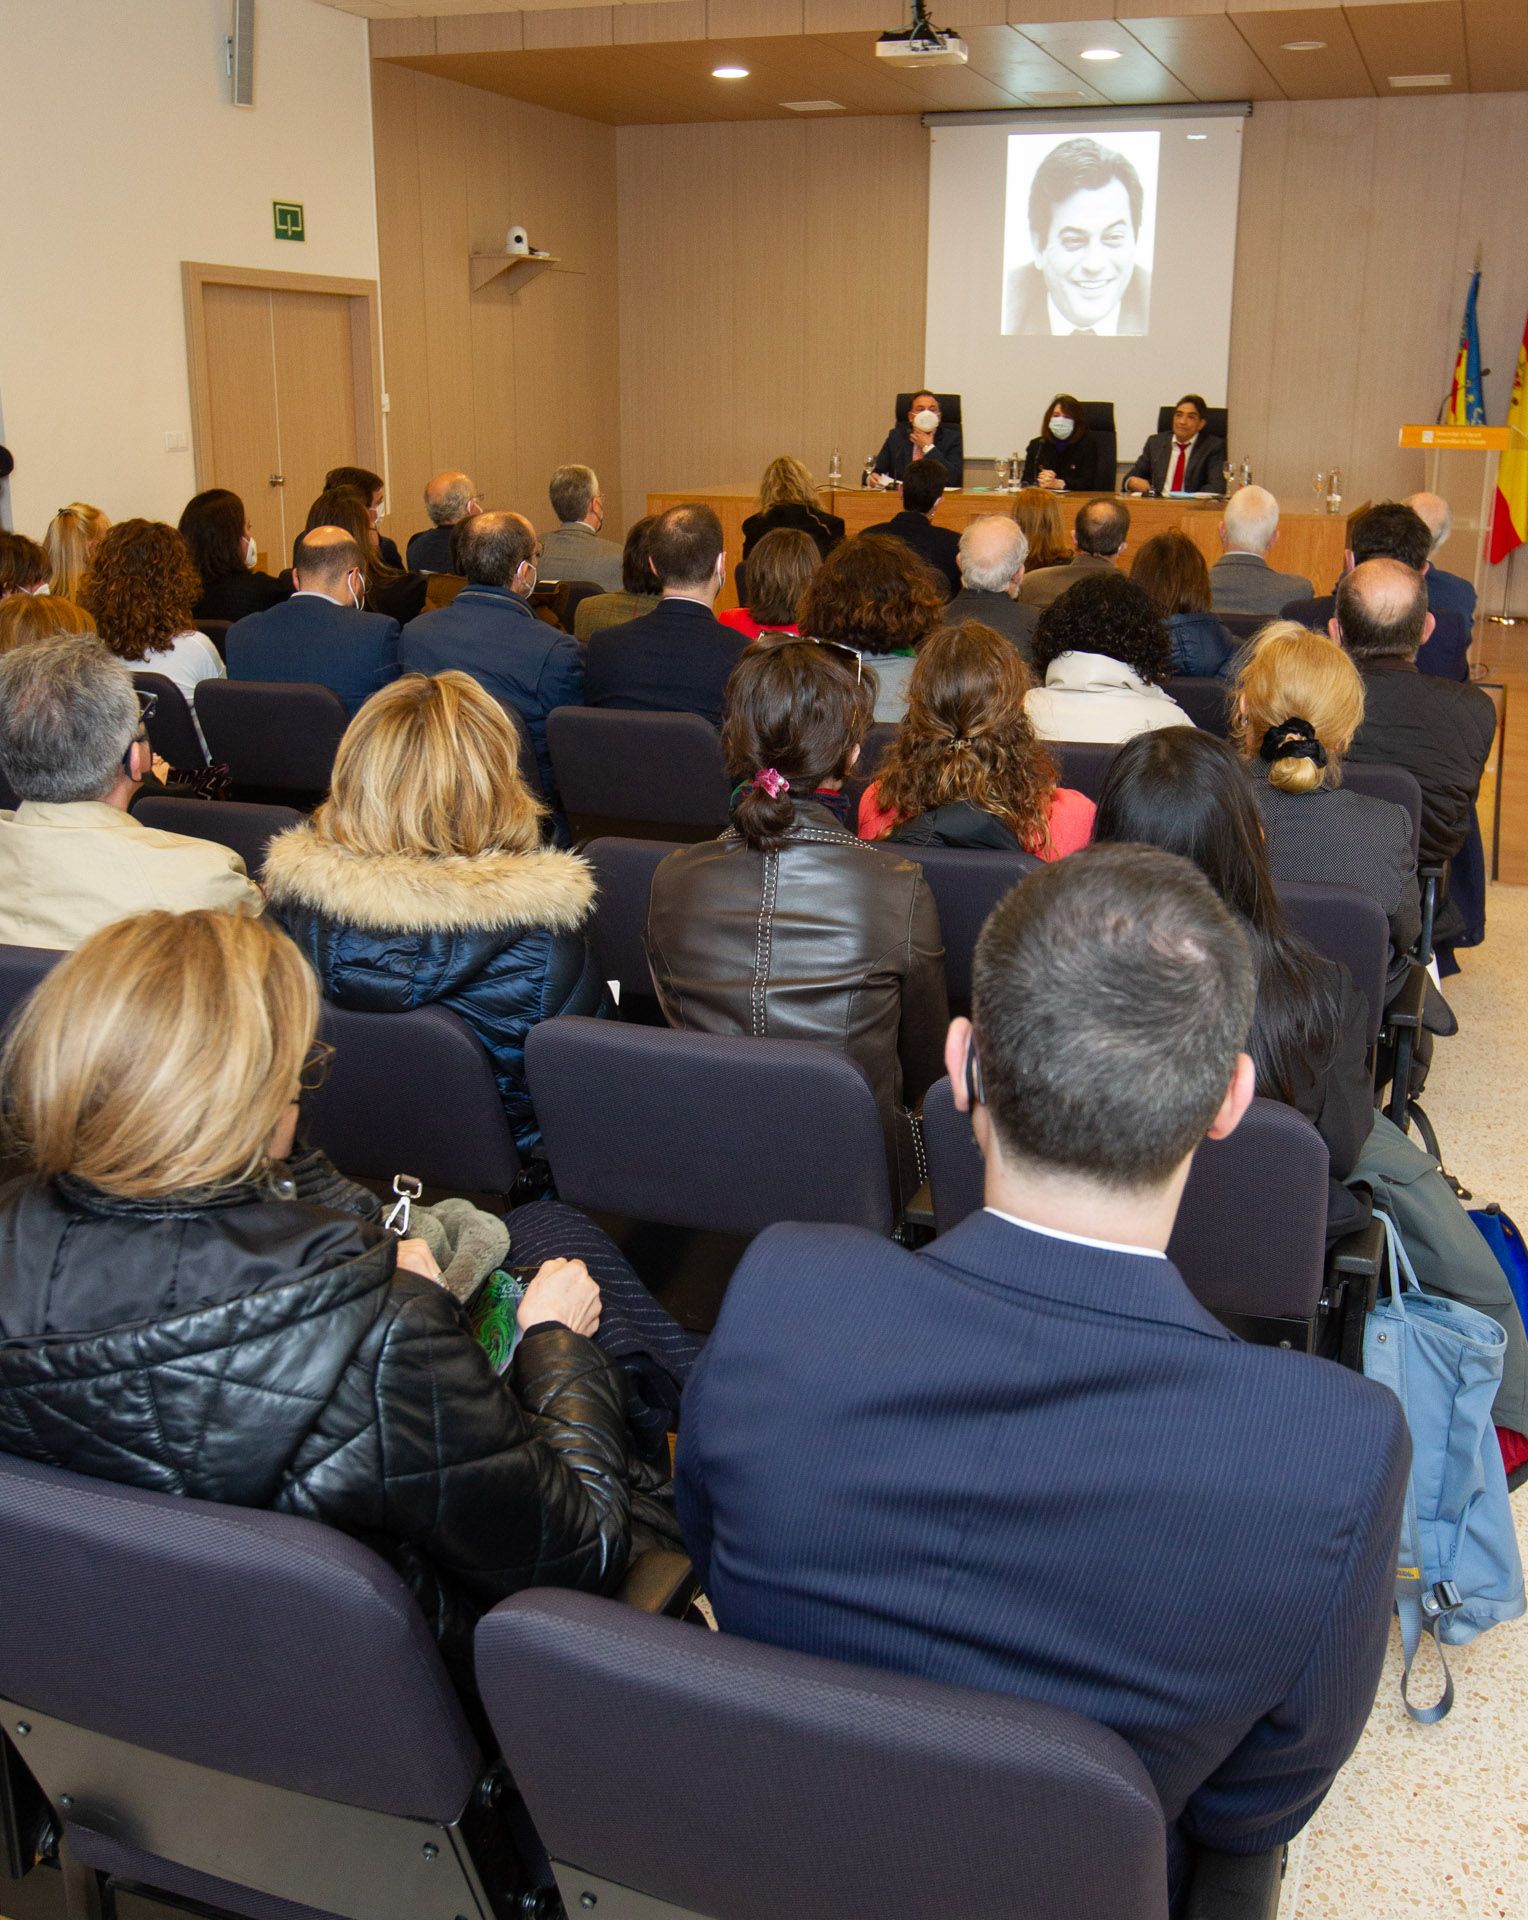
x=1308 y=543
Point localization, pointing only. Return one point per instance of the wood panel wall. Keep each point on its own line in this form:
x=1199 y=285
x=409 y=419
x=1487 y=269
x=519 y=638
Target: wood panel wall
x=509 y=382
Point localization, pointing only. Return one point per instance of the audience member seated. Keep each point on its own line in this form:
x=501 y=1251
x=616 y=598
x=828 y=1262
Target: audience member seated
x=1185 y=792
x=1038 y=515
x=373 y=494
x=1393 y=531
x=874 y=596
x=1099 y=533
x=141 y=588
x=775 y=575
x=39 y=616
x=1026 y=1459
x=1299 y=702
x=788 y=498
x=921 y=435
x=421 y=880
x=385 y=589
x=639 y=588
x=965 y=769
x=573 y=549
x=1064 y=457
x=489 y=631
x=73 y=535
x=72 y=858
x=218 y=537
x=449 y=499
x=991 y=559
x=24 y=566
x=1439 y=730
x=171 y=1259
x=676 y=659
x=1241 y=580
x=922 y=489
x=1104 y=652
x=320 y=635
x=1170 y=571
x=1446 y=592
x=789 y=926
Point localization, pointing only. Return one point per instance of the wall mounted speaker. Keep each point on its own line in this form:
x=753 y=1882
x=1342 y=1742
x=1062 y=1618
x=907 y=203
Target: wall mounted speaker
x=241 y=53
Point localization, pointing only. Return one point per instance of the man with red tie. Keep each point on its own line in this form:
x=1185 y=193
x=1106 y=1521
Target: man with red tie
x=1187 y=460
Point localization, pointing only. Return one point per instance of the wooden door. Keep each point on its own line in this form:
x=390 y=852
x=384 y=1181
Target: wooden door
x=245 y=450
x=315 y=396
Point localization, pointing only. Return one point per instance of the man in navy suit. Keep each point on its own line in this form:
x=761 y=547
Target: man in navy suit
x=489 y=631
x=679 y=657
x=1026 y=1458
x=1446 y=592
x=922 y=489
x=319 y=635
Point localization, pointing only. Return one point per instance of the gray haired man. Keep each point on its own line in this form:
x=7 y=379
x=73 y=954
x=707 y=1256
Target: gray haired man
x=573 y=549
x=993 y=550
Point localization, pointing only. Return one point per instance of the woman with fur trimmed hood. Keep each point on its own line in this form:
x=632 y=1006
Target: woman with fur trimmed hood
x=422 y=879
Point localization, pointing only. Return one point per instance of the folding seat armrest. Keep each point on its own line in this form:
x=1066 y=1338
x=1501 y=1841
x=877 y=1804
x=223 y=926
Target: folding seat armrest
x=1353 y=1270
x=1432 y=881
x=660 y=1582
x=1403 y=1023
x=1405 y=1008
x=1235 y=1886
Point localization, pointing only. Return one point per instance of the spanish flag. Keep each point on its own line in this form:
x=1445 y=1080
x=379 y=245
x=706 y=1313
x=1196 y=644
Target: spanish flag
x=1509 y=520
x=1466 y=397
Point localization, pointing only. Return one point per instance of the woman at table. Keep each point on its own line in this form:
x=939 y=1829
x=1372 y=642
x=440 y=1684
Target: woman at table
x=1064 y=457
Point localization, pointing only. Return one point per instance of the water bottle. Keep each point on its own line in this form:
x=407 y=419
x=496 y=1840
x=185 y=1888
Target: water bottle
x=835 y=470
x=1334 y=493
x=1246 y=477
x=867 y=478
x=1016 y=468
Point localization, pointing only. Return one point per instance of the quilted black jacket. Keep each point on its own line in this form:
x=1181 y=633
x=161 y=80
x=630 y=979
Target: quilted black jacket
x=498 y=940
x=268 y=1352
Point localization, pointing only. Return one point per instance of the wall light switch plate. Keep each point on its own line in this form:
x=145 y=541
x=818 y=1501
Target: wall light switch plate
x=175 y=443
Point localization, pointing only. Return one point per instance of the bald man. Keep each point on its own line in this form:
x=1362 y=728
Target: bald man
x=993 y=549
x=1241 y=580
x=489 y=631
x=1439 y=730
x=1446 y=592
x=449 y=499
x=320 y=636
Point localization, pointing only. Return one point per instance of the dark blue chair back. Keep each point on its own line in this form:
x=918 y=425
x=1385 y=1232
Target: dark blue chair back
x=1216 y=422
x=1396 y=784
x=1082 y=764
x=171 y=731
x=717 y=1132
x=652 y=776
x=239 y=824
x=966 y=886
x=1203 y=700
x=832 y=1790
x=1242 y=626
x=20 y=970
x=1250 y=1238
x=623 y=875
x=278 y=739
x=1347 y=926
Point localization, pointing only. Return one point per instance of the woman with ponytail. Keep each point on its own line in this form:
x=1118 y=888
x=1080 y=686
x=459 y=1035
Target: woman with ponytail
x=73 y=535
x=965 y=769
x=790 y=926
x=1299 y=701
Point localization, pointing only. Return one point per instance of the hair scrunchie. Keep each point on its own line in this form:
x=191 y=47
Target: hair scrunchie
x=1292 y=739
x=770 y=782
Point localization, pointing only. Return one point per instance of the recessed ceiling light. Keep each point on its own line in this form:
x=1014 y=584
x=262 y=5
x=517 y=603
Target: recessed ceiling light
x=1304 y=46
x=1421 y=79
x=1197 y=136
x=729 y=73
x=1100 y=53
x=813 y=106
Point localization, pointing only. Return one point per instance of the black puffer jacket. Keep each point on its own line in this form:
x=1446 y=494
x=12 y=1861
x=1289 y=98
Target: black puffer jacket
x=267 y=1352
x=496 y=939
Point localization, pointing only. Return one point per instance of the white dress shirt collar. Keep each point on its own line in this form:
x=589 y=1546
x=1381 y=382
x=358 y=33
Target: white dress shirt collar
x=1077 y=1239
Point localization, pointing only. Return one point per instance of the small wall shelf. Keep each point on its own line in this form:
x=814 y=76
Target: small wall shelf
x=488 y=266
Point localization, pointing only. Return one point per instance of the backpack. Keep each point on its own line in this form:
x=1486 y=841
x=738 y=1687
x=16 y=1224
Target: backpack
x=1457 y=1568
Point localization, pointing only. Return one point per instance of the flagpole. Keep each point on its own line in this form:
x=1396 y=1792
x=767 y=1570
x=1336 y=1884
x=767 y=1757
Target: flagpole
x=1506 y=618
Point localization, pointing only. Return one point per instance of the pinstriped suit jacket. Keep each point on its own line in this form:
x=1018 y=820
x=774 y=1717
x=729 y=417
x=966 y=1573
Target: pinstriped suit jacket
x=1014 y=1462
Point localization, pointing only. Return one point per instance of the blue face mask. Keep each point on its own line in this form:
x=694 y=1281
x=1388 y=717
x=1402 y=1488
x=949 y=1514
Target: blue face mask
x=1061 y=427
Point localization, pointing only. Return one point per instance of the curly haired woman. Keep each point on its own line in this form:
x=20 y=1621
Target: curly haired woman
x=874 y=596
x=141 y=586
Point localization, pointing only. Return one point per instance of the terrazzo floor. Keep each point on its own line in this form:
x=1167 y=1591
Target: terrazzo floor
x=1434 y=1820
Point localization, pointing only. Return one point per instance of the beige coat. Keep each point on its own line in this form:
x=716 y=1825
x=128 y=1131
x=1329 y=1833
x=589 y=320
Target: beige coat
x=1093 y=697
x=69 y=868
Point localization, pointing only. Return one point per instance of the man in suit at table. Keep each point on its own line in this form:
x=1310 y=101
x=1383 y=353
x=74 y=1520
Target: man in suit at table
x=1187 y=459
x=1446 y=592
x=1099 y=533
x=922 y=435
x=993 y=549
x=1393 y=530
x=1026 y=1458
x=679 y=657
x=320 y=634
x=923 y=488
x=1241 y=580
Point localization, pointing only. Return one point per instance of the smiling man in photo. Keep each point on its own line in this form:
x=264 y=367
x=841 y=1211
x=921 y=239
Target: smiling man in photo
x=1085 y=212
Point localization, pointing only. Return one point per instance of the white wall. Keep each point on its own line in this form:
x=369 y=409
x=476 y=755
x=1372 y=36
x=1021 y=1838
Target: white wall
x=122 y=159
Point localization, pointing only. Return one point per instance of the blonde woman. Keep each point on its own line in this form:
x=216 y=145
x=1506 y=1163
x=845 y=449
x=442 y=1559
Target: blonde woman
x=422 y=879
x=73 y=535
x=40 y=616
x=184 y=1307
x=788 y=498
x=1299 y=700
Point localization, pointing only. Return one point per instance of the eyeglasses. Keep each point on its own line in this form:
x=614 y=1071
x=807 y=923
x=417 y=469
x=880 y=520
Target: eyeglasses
x=845 y=653
x=148 y=704
x=315 y=1066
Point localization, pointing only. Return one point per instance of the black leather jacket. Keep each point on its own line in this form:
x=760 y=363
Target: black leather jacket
x=829 y=939
x=268 y=1352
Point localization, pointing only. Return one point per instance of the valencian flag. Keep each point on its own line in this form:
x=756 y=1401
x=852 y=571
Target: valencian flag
x=1509 y=520
x=1466 y=397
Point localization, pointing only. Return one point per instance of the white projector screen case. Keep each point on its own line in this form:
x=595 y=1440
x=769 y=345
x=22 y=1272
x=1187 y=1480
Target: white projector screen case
x=1085 y=254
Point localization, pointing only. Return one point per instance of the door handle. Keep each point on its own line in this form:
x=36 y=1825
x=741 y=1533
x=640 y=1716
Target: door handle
x=278 y=479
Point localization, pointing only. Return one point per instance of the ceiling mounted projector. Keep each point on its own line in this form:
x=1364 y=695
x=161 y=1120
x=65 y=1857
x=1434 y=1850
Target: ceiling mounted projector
x=923 y=44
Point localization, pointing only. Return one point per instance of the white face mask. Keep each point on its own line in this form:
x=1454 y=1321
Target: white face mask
x=355 y=598
x=1061 y=427
x=927 y=421
x=251 y=551
x=41 y=588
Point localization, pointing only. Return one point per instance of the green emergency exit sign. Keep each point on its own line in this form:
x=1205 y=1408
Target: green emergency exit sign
x=288 y=215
